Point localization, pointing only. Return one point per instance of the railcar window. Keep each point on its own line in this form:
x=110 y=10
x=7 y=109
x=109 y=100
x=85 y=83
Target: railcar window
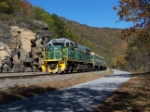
x=88 y=51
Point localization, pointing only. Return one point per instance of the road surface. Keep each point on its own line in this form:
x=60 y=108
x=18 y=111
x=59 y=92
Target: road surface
x=79 y=98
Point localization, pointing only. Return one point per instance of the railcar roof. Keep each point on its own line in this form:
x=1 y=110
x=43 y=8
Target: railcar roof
x=93 y=53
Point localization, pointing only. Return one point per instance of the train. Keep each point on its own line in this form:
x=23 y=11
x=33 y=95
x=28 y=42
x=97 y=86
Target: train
x=62 y=55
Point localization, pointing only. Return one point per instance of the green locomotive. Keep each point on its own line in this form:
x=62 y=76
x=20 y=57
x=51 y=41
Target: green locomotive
x=64 y=55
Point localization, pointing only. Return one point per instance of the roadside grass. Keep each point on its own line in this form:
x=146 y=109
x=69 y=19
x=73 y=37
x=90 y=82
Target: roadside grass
x=132 y=96
x=26 y=91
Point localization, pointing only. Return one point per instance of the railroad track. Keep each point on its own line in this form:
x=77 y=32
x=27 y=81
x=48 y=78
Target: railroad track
x=29 y=74
x=22 y=75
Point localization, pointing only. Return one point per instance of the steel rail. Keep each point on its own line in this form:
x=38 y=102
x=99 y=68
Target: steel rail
x=24 y=75
x=35 y=74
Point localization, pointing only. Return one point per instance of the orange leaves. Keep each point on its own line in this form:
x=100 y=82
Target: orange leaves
x=121 y=60
x=27 y=8
x=137 y=12
x=16 y=7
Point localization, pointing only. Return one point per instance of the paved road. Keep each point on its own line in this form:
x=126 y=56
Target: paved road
x=79 y=98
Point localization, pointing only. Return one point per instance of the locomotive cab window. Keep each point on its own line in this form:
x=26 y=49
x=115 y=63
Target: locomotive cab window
x=67 y=44
x=58 y=42
x=71 y=45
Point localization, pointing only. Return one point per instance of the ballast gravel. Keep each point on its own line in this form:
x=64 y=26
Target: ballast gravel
x=24 y=81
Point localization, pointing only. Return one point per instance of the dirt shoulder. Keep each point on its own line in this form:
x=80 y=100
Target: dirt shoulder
x=132 y=96
x=26 y=91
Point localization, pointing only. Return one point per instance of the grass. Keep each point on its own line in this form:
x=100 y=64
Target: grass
x=26 y=91
x=132 y=96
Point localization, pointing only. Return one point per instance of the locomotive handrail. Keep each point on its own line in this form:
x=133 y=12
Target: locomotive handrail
x=57 y=55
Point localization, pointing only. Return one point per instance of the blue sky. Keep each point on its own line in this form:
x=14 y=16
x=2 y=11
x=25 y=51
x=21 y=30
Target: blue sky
x=95 y=13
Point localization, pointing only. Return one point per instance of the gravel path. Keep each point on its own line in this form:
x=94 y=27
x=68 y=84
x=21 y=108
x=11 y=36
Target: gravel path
x=79 y=98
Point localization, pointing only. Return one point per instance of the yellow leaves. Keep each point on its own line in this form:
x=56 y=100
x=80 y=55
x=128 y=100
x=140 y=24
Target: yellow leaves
x=3 y=5
x=121 y=60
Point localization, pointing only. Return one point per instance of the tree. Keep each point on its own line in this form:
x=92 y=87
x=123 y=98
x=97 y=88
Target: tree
x=138 y=12
x=60 y=27
x=26 y=8
x=6 y=7
x=137 y=55
x=121 y=62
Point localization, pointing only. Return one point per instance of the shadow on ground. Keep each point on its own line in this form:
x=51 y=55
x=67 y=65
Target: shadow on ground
x=17 y=92
x=133 y=96
x=66 y=100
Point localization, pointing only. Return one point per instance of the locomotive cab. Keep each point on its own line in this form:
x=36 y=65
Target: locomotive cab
x=56 y=54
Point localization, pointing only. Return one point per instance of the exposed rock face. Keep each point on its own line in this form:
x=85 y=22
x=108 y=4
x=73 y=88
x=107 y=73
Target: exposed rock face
x=4 y=30
x=21 y=49
x=5 y=50
x=39 y=24
x=5 y=53
x=38 y=45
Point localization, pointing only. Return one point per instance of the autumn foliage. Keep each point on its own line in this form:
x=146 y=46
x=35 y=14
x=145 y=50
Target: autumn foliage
x=19 y=7
x=121 y=61
x=138 y=12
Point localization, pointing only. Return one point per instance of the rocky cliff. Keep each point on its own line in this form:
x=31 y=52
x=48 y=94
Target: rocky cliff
x=21 y=48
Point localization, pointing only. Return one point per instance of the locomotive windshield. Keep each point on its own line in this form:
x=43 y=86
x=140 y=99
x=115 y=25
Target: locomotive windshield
x=58 y=42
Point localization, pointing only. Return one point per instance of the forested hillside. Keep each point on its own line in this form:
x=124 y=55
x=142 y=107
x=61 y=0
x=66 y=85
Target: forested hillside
x=104 y=41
